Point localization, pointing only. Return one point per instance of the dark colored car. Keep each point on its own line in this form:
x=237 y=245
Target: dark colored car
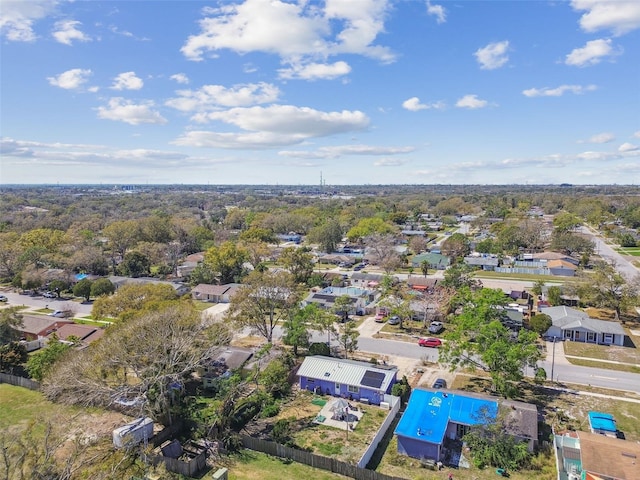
x=440 y=383
x=430 y=342
x=3 y=298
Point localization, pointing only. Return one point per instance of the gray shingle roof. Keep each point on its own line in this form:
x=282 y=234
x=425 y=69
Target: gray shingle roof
x=570 y=318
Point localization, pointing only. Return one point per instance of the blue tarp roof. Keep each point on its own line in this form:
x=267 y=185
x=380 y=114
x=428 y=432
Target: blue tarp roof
x=602 y=421
x=429 y=412
x=81 y=276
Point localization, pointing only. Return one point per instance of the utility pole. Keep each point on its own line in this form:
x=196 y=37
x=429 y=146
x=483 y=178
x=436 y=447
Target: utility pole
x=553 y=357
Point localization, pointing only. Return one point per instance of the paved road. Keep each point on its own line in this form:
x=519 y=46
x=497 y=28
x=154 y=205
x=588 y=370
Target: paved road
x=15 y=299
x=626 y=268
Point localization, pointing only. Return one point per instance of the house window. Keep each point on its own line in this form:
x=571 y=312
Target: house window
x=567 y=334
x=353 y=389
x=591 y=337
x=461 y=430
x=311 y=380
x=608 y=338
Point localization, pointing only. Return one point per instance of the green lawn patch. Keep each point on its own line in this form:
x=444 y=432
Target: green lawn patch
x=250 y=465
x=547 y=279
x=321 y=402
x=608 y=366
x=19 y=405
x=602 y=352
x=202 y=306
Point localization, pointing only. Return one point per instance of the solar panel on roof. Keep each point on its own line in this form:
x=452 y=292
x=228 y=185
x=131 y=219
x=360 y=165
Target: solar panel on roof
x=372 y=379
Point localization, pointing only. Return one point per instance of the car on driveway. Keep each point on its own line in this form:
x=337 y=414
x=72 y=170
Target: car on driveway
x=380 y=317
x=395 y=320
x=3 y=298
x=440 y=383
x=436 y=327
x=57 y=313
x=49 y=295
x=429 y=342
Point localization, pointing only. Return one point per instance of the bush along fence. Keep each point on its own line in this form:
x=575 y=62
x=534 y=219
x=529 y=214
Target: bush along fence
x=19 y=381
x=313 y=460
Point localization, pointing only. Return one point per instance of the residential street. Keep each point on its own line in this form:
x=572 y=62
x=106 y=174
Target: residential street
x=626 y=268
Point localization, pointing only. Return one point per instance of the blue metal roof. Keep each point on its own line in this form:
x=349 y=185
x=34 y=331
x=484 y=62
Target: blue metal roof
x=429 y=412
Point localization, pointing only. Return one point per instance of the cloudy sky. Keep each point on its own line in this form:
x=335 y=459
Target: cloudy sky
x=284 y=91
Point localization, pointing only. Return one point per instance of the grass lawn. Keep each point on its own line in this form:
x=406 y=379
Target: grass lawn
x=251 y=465
x=602 y=352
x=547 y=279
x=19 y=405
x=634 y=251
x=202 y=306
x=608 y=366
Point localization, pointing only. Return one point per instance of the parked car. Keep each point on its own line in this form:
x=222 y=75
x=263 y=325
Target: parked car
x=49 y=295
x=57 y=313
x=395 y=320
x=440 y=383
x=3 y=298
x=436 y=327
x=380 y=317
x=429 y=342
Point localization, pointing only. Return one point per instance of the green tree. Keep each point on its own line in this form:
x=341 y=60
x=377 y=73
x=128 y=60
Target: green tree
x=299 y=261
x=402 y=389
x=83 y=289
x=296 y=330
x=540 y=323
x=342 y=306
x=456 y=246
x=132 y=298
x=58 y=286
x=275 y=376
x=12 y=355
x=41 y=362
x=10 y=321
x=122 y=235
x=264 y=300
x=348 y=338
x=135 y=264
x=553 y=295
x=226 y=261
x=477 y=338
x=327 y=235
x=102 y=286
x=202 y=273
x=264 y=235
x=538 y=286
x=460 y=276
x=627 y=240
x=491 y=444
x=367 y=227
x=565 y=222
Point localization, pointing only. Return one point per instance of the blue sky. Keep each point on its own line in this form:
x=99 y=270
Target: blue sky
x=278 y=92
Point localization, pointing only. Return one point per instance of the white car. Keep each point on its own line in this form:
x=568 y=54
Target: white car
x=57 y=313
x=49 y=295
x=436 y=327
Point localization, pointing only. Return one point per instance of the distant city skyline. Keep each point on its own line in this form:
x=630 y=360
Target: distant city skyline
x=345 y=92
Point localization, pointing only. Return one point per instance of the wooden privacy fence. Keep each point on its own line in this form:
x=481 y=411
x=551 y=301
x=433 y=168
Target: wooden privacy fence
x=313 y=460
x=19 y=381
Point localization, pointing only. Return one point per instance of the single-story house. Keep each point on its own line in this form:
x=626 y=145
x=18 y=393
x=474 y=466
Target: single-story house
x=350 y=379
x=366 y=280
x=549 y=256
x=434 y=260
x=422 y=284
x=360 y=298
x=232 y=358
x=591 y=456
x=189 y=264
x=572 y=324
x=432 y=416
x=180 y=288
x=336 y=259
x=85 y=333
x=39 y=326
x=485 y=262
x=214 y=293
x=562 y=268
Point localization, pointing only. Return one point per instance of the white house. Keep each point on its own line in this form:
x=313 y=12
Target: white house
x=572 y=324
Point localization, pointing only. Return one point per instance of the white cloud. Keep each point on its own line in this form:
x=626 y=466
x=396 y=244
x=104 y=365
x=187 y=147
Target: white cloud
x=493 y=55
x=389 y=162
x=126 y=111
x=210 y=97
x=273 y=126
x=180 y=78
x=591 y=54
x=437 y=11
x=342 y=150
x=17 y=18
x=314 y=71
x=71 y=79
x=628 y=147
x=604 y=137
x=471 y=101
x=413 y=104
x=619 y=16
x=127 y=81
x=558 y=91
x=293 y=31
x=637 y=134
x=66 y=32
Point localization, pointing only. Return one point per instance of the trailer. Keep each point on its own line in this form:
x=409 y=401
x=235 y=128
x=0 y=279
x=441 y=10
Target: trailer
x=133 y=433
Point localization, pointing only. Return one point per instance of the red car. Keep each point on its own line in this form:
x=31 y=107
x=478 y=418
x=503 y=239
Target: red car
x=429 y=342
